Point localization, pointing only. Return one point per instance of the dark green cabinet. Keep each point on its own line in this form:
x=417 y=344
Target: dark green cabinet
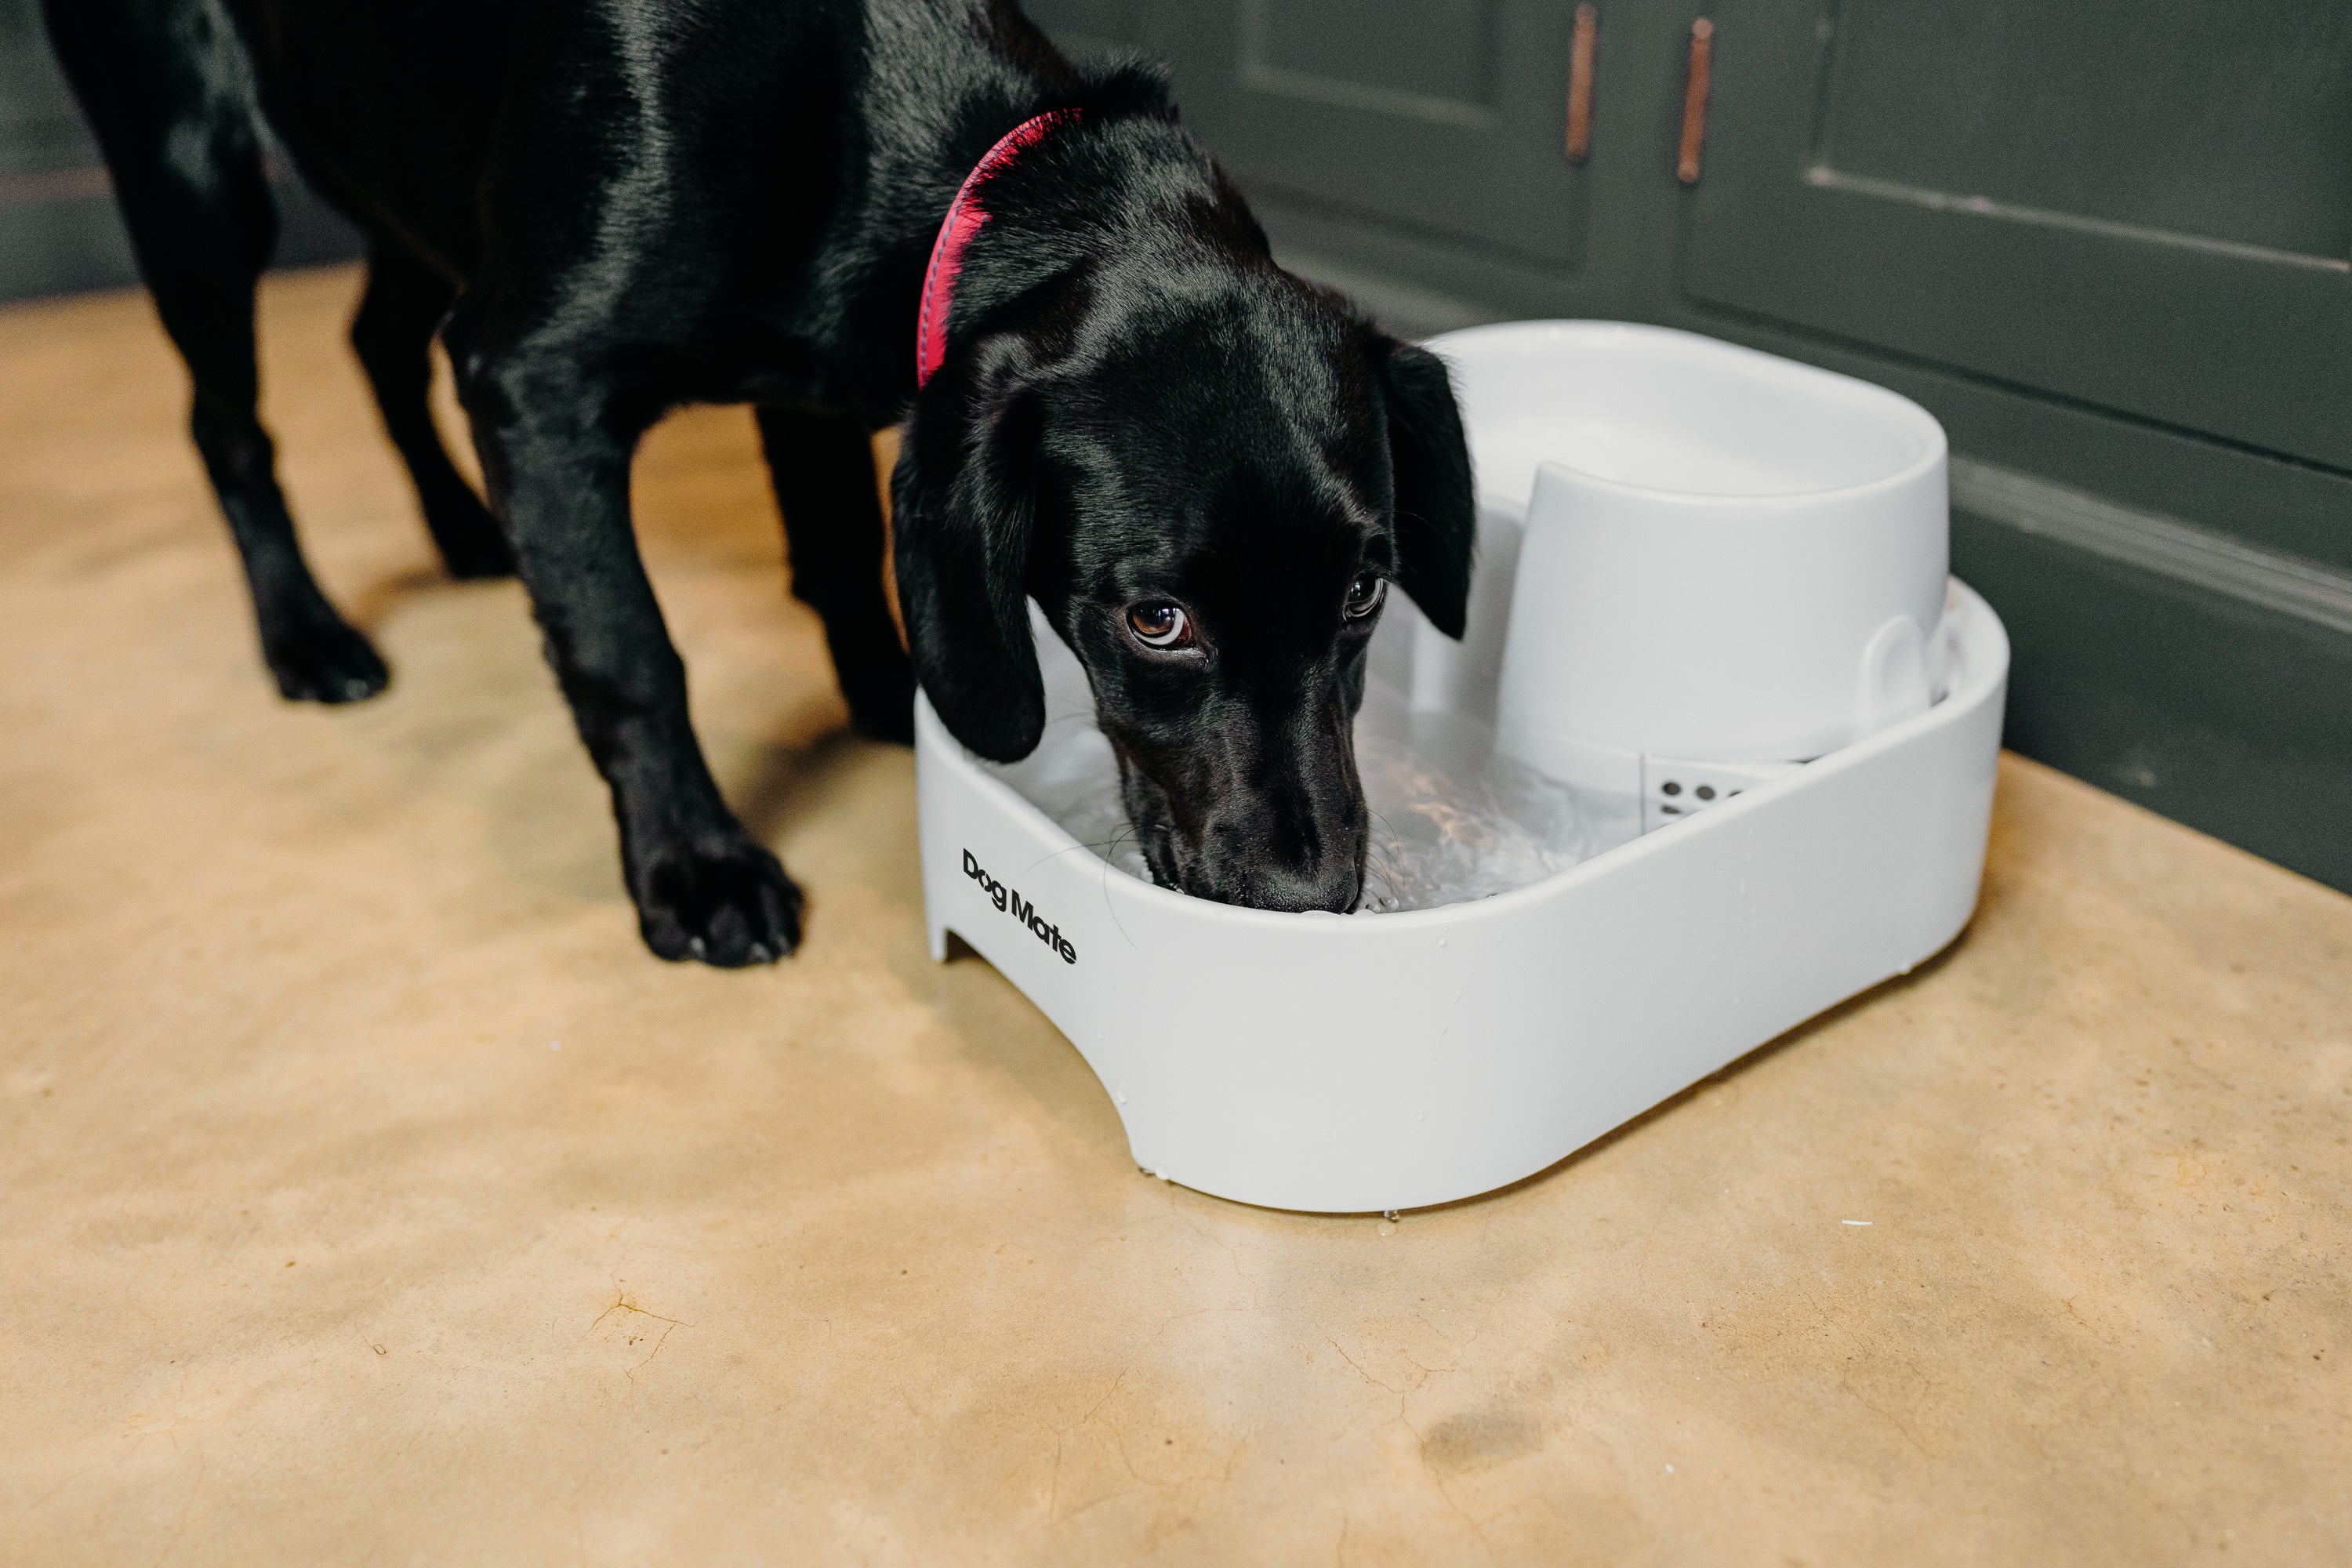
x=1086 y=26
x=2108 y=245
x=2146 y=208
x=40 y=130
x=59 y=231
x=1442 y=115
x=57 y=227
x=1446 y=115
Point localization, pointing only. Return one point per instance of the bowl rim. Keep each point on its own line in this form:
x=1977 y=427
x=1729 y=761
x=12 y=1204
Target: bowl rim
x=1527 y=336
x=1985 y=670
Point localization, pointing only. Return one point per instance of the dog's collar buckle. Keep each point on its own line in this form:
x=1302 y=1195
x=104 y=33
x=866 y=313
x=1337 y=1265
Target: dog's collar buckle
x=965 y=214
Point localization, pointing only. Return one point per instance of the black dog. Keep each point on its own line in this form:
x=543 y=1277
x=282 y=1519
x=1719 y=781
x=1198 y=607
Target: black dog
x=1203 y=470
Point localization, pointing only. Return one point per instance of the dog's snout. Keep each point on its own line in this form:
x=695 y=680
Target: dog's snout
x=1268 y=814
x=1333 y=885
x=1296 y=851
x=1293 y=849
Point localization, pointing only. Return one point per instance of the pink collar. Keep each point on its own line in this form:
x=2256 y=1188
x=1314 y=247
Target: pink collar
x=965 y=214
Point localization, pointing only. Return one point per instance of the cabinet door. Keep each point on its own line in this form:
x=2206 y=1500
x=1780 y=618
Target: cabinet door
x=1087 y=26
x=2142 y=206
x=1444 y=115
x=41 y=130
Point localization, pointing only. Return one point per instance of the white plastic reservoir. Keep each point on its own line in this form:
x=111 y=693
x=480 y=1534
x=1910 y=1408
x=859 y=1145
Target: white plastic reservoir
x=1377 y=1061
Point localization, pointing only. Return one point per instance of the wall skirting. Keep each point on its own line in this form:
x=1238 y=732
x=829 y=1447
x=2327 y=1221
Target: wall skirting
x=2261 y=579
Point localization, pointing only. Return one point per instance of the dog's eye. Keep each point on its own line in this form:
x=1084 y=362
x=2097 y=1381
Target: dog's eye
x=1365 y=593
x=1159 y=624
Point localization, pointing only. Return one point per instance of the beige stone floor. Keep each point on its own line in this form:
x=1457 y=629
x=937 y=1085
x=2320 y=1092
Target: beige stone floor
x=315 y=1249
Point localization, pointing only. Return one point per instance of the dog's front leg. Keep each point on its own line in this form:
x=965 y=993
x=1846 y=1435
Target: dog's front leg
x=557 y=458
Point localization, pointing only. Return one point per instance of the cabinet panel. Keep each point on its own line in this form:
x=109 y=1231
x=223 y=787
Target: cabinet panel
x=1435 y=59
x=1081 y=26
x=59 y=228
x=1444 y=115
x=2145 y=207
x=2231 y=123
x=2090 y=236
x=40 y=129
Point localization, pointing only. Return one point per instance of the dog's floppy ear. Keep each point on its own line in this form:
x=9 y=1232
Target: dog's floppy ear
x=1436 y=515
x=964 y=506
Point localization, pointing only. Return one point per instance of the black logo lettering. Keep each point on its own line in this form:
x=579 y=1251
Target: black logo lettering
x=1008 y=899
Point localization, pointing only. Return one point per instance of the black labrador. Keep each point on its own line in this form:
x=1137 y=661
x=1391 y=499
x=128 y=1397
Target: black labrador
x=1205 y=471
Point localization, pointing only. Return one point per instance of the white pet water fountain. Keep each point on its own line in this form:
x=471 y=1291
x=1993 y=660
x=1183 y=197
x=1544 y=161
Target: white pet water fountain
x=1716 y=754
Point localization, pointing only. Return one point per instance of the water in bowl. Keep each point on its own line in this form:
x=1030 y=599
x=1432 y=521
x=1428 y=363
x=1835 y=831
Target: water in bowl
x=1451 y=820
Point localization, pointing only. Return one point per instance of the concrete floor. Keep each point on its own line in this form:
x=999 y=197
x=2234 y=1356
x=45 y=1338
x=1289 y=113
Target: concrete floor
x=315 y=1248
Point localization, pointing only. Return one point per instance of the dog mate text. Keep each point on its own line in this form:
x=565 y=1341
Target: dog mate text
x=1010 y=900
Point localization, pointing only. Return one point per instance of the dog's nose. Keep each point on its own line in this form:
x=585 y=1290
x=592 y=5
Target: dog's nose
x=1322 y=870
x=1334 y=887
x=1296 y=850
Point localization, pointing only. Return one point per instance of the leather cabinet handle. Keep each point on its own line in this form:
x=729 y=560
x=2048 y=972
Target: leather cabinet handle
x=1579 y=145
x=1702 y=64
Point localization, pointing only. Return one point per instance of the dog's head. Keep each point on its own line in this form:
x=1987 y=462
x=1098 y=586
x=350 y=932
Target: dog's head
x=1210 y=483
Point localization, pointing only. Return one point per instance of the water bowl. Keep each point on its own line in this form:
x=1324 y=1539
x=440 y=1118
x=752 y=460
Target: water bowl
x=1603 y=953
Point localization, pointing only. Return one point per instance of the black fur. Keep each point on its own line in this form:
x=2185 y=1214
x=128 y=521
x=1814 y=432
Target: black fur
x=611 y=207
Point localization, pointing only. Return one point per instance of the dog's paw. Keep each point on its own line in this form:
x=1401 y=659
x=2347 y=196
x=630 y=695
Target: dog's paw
x=324 y=661
x=728 y=904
